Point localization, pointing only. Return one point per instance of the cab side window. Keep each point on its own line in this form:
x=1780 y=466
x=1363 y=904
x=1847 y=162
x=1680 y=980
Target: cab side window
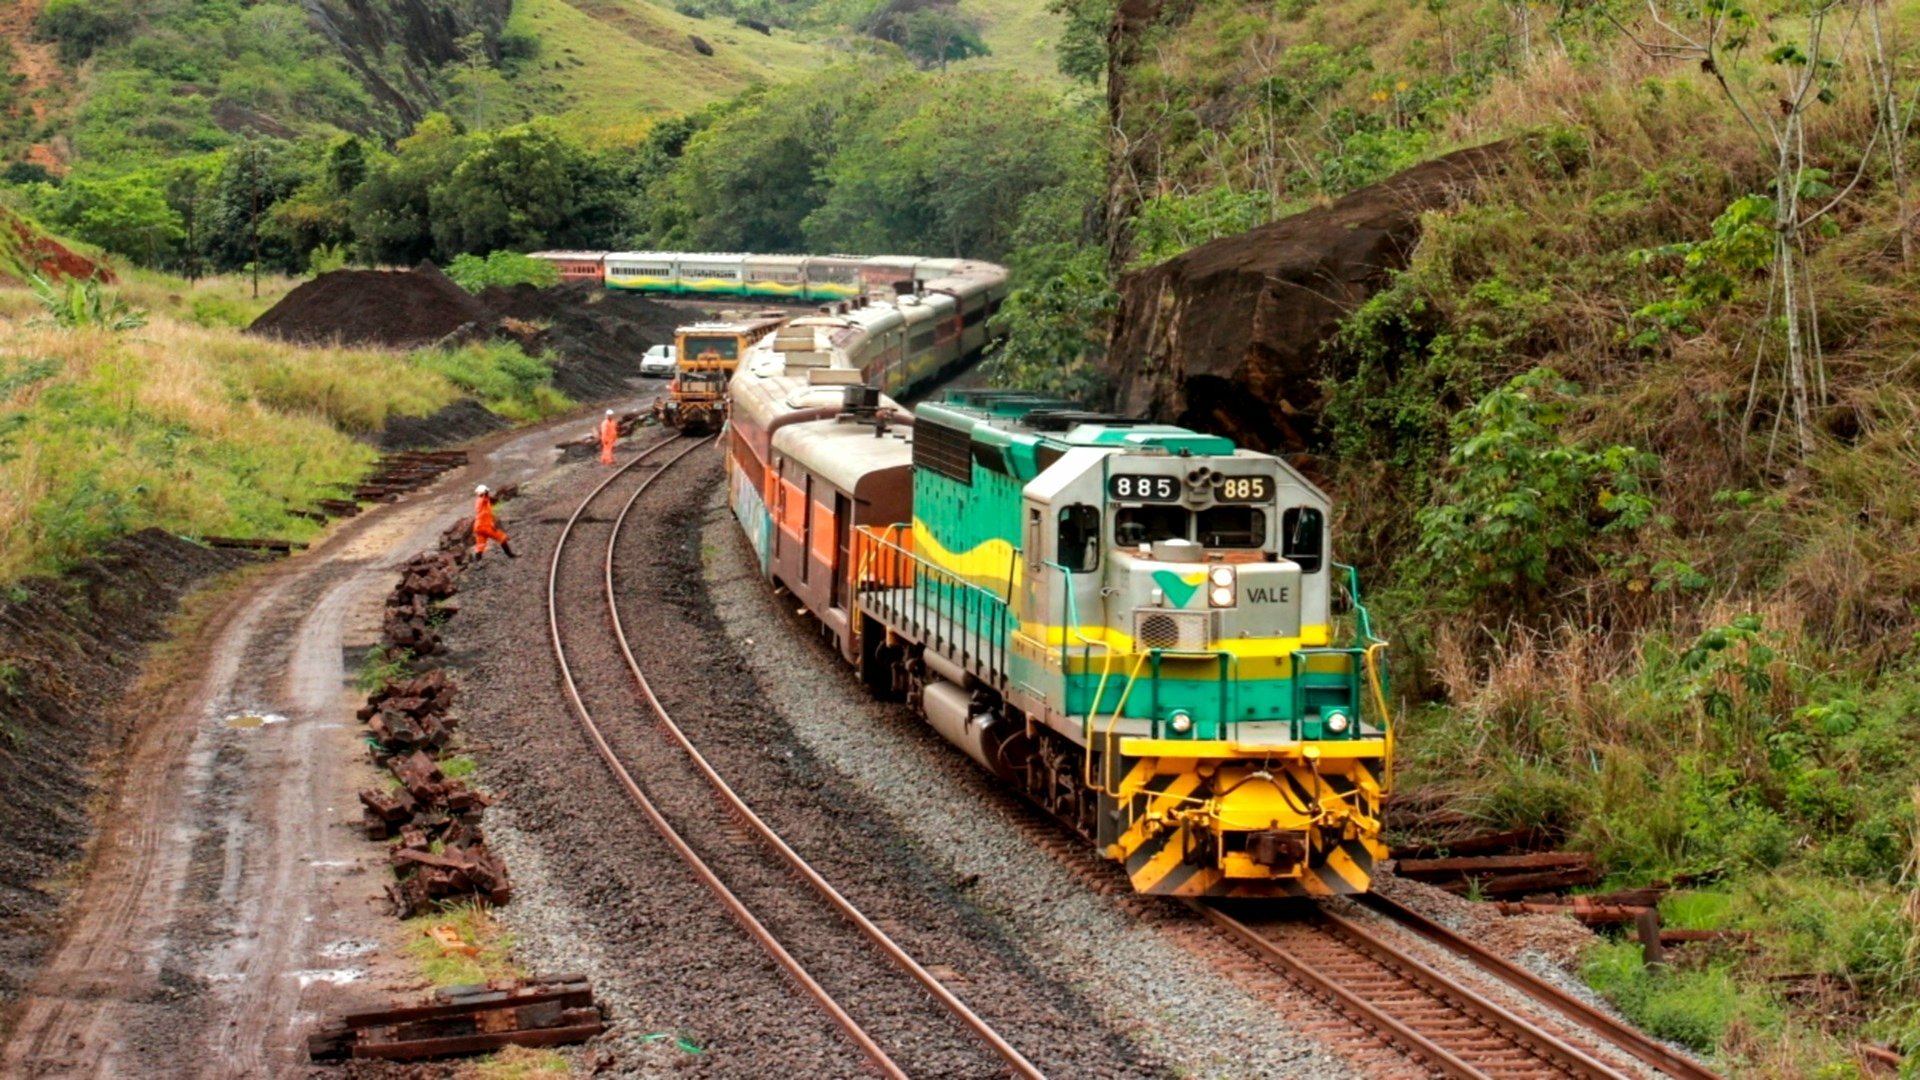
x=1079 y=538
x=1303 y=537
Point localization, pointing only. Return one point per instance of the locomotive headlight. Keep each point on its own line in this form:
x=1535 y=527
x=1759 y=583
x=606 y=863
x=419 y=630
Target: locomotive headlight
x=1181 y=722
x=1220 y=586
x=1337 y=722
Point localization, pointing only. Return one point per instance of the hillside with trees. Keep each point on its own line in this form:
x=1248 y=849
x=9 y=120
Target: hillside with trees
x=1624 y=447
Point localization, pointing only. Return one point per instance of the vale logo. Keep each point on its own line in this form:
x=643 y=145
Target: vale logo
x=1179 y=589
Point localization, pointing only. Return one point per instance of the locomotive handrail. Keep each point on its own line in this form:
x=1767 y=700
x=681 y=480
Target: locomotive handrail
x=954 y=601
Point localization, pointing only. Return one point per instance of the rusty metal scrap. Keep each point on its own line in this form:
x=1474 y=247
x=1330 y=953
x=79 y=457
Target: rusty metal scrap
x=549 y=1011
x=1505 y=875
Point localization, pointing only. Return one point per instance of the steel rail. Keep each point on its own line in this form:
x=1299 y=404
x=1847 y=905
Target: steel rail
x=973 y=1021
x=1550 y=1048
x=1541 y=1042
x=1628 y=1039
x=1368 y=1014
x=704 y=872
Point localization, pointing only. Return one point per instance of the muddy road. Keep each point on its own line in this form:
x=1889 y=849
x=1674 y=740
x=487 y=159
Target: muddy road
x=230 y=897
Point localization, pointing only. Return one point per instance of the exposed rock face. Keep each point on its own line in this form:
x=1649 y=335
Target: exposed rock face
x=395 y=45
x=1227 y=337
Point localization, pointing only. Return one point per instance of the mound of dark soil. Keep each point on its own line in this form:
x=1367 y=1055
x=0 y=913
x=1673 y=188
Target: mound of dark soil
x=596 y=336
x=395 y=308
x=69 y=651
x=464 y=419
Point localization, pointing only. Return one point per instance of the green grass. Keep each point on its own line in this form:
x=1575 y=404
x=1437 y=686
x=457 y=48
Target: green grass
x=519 y=1063
x=1693 y=1007
x=203 y=431
x=610 y=68
x=1021 y=34
x=459 y=767
x=477 y=927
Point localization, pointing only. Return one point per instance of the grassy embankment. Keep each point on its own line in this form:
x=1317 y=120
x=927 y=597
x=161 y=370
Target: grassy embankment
x=188 y=425
x=1722 y=685
x=1625 y=601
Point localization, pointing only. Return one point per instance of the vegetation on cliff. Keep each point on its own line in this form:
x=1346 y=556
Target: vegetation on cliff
x=1626 y=450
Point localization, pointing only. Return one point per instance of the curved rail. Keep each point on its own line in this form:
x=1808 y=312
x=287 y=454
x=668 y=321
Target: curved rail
x=1637 y=1043
x=732 y=903
x=1005 y=1050
x=1018 y=1063
x=1552 y=1055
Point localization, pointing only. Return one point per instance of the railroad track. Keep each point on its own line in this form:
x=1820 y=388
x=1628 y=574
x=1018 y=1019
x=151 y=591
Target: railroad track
x=632 y=481
x=1444 y=1027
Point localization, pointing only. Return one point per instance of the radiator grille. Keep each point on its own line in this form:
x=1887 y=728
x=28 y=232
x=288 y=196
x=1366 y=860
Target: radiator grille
x=1184 y=630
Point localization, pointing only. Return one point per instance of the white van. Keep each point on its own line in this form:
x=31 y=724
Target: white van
x=658 y=361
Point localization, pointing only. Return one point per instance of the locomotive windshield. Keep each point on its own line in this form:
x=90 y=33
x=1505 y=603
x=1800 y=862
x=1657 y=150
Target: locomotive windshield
x=1215 y=527
x=727 y=348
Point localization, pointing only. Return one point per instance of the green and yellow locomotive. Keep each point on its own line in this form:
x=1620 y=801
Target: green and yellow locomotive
x=1131 y=622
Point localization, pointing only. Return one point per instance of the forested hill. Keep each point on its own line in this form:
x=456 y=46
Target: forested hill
x=98 y=80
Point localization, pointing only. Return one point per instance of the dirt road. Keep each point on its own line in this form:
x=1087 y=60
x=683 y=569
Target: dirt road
x=231 y=896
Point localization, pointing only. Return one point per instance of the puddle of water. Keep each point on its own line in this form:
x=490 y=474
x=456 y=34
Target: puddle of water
x=348 y=949
x=339 y=977
x=253 y=720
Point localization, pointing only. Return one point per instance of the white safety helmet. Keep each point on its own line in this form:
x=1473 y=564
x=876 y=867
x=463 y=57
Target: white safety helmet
x=609 y=412
x=481 y=490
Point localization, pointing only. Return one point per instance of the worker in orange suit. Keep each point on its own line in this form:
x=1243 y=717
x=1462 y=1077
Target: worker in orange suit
x=484 y=527
x=609 y=434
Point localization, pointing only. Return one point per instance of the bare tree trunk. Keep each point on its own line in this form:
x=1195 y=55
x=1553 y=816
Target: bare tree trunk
x=1895 y=127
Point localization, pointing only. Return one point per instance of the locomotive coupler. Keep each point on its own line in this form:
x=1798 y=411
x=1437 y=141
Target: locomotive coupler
x=1277 y=848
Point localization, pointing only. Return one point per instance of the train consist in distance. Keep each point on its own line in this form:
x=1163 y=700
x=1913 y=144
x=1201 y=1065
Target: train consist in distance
x=1129 y=622
x=899 y=321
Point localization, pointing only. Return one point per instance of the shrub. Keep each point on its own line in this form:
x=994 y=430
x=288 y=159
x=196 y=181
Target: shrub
x=1517 y=500
x=474 y=273
x=1693 y=1008
x=80 y=305
x=82 y=27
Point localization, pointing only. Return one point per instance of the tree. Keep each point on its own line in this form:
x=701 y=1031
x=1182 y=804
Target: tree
x=190 y=191
x=126 y=214
x=1772 y=97
x=748 y=181
x=1081 y=51
x=83 y=27
x=944 y=163
x=517 y=189
x=391 y=211
x=478 y=85
x=935 y=37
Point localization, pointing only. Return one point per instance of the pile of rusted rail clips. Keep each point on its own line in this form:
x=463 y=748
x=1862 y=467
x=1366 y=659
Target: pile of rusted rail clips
x=550 y=1011
x=420 y=602
x=438 y=851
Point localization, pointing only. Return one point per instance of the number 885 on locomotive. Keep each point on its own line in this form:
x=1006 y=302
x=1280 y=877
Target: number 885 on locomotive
x=1135 y=624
